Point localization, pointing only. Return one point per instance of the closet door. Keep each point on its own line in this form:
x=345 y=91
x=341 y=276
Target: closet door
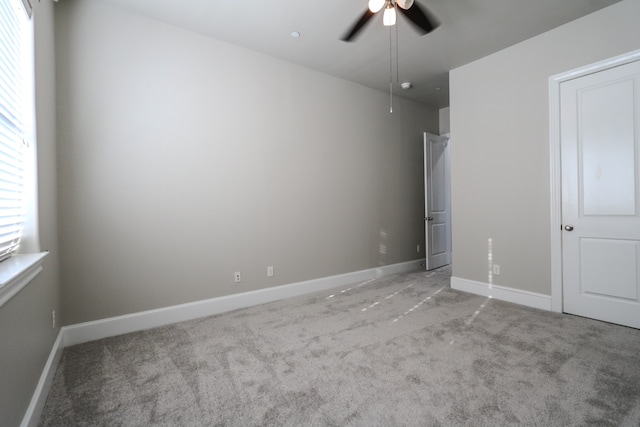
x=600 y=148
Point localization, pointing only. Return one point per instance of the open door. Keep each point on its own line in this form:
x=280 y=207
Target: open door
x=437 y=201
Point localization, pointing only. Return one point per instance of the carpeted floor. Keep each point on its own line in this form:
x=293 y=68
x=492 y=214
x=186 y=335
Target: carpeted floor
x=401 y=350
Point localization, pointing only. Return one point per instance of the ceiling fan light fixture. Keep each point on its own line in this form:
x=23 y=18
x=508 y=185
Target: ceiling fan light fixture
x=389 y=17
x=405 y=4
x=376 y=5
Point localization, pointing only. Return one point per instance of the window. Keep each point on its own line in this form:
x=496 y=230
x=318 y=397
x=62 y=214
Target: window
x=20 y=258
x=16 y=123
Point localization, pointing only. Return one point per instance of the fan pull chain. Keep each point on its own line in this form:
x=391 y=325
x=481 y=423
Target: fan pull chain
x=390 y=73
x=397 y=56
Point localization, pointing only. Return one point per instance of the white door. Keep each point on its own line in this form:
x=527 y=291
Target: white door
x=600 y=149
x=437 y=201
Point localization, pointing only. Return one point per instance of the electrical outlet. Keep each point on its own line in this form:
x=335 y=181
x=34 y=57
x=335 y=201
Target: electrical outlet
x=237 y=277
x=270 y=271
x=496 y=269
x=53 y=319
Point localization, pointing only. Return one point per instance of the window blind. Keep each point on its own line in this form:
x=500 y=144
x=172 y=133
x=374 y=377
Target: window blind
x=14 y=124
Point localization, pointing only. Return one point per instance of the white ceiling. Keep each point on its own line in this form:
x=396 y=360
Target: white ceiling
x=470 y=29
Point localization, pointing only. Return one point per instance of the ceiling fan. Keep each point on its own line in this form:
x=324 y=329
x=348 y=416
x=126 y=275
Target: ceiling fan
x=418 y=16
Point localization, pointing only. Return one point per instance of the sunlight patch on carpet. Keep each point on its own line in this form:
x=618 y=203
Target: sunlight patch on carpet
x=415 y=307
x=351 y=288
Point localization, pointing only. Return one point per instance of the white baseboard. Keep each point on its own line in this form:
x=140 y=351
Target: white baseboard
x=517 y=296
x=89 y=331
x=32 y=416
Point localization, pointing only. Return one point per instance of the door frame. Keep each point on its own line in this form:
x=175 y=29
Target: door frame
x=555 y=170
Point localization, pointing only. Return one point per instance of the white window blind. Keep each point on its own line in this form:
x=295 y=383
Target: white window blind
x=15 y=123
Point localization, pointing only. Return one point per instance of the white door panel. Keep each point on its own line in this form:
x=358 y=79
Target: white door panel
x=600 y=258
x=607 y=145
x=437 y=201
x=600 y=149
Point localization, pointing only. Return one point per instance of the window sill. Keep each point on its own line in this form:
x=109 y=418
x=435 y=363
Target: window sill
x=17 y=271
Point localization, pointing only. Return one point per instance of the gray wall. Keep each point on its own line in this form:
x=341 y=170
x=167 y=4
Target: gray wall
x=500 y=151
x=445 y=120
x=184 y=159
x=25 y=320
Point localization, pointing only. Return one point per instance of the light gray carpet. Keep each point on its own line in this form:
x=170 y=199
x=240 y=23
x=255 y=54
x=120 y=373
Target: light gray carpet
x=402 y=350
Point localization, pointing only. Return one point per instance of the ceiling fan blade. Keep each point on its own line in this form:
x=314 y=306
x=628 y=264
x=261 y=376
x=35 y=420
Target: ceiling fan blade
x=421 y=18
x=360 y=23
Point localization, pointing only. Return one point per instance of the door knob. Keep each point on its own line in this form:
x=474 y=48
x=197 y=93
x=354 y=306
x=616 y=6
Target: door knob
x=568 y=227
x=429 y=218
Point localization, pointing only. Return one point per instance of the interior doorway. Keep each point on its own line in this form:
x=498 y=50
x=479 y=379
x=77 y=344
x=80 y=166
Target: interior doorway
x=437 y=198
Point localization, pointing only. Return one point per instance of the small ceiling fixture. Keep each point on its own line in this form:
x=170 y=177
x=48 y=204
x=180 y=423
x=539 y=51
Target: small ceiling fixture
x=295 y=34
x=406 y=85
